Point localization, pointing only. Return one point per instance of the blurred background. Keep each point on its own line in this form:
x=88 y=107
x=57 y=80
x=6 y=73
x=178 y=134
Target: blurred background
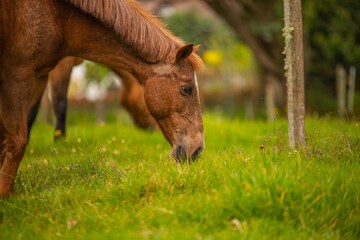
x=242 y=44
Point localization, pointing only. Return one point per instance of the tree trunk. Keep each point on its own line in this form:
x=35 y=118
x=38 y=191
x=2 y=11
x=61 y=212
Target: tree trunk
x=294 y=66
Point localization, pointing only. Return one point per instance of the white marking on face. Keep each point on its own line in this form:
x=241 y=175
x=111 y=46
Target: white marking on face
x=196 y=84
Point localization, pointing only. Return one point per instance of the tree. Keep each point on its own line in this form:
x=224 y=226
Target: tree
x=294 y=66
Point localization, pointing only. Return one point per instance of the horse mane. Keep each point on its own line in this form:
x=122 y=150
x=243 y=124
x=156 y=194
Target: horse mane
x=134 y=25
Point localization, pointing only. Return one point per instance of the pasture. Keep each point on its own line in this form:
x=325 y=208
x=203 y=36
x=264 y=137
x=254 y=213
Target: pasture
x=118 y=182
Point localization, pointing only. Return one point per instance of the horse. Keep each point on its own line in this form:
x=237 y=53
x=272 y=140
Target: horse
x=131 y=97
x=36 y=34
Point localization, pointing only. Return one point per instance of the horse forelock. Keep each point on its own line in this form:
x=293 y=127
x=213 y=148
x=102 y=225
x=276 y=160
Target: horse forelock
x=136 y=27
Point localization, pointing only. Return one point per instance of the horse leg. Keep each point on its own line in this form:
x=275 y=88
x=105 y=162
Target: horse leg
x=36 y=95
x=14 y=109
x=59 y=84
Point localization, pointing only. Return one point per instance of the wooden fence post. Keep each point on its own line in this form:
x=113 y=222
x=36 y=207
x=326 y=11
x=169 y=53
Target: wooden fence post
x=351 y=90
x=270 y=101
x=341 y=90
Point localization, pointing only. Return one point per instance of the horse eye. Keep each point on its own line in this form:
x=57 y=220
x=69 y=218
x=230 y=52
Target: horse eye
x=186 y=90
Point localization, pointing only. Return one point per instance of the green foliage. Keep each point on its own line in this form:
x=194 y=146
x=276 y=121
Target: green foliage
x=242 y=57
x=106 y=184
x=190 y=26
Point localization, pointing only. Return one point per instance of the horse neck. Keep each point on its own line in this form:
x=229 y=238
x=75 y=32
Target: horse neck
x=128 y=80
x=87 y=38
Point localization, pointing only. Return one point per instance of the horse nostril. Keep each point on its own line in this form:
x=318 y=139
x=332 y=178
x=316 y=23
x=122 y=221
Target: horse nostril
x=197 y=153
x=180 y=153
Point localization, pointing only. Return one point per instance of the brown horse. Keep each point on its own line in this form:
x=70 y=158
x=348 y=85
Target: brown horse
x=36 y=34
x=132 y=97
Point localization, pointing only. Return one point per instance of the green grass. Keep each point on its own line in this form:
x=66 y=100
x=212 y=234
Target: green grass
x=118 y=182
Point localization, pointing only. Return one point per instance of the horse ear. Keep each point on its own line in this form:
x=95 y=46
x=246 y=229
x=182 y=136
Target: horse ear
x=196 y=48
x=183 y=52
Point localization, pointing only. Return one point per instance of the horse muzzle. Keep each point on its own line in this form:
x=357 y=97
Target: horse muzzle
x=185 y=153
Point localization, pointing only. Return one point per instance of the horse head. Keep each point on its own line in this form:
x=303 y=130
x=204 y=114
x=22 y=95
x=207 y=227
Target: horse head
x=172 y=98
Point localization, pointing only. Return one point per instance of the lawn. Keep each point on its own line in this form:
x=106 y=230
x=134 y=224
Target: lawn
x=118 y=182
